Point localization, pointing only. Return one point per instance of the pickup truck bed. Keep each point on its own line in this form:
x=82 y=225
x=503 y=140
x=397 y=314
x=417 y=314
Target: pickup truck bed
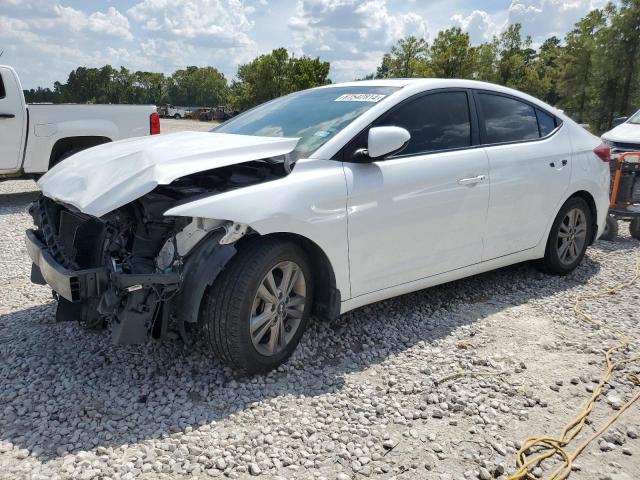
x=35 y=137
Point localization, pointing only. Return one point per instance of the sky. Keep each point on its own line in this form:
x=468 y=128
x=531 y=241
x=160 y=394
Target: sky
x=46 y=39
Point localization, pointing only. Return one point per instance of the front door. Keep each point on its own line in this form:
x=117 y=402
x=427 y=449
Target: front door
x=421 y=212
x=12 y=122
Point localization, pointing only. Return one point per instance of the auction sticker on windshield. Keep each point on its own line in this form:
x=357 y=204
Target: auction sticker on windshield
x=360 y=97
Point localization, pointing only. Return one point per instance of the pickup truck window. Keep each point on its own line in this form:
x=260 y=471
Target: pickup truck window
x=312 y=115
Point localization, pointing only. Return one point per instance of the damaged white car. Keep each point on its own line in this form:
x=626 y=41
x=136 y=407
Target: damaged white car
x=314 y=204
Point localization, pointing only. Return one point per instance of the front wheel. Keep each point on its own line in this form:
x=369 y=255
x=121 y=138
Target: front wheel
x=569 y=237
x=258 y=308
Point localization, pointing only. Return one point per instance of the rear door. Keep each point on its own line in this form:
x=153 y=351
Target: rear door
x=530 y=167
x=12 y=121
x=420 y=212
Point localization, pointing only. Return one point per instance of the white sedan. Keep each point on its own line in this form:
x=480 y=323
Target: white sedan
x=315 y=203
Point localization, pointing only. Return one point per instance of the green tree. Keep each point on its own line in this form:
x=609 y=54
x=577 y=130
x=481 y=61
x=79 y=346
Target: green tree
x=276 y=74
x=451 y=55
x=407 y=59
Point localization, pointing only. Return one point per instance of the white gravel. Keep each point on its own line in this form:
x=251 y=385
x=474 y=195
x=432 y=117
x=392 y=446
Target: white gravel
x=360 y=398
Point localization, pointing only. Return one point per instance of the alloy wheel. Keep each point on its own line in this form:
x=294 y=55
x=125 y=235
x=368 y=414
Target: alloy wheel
x=572 y=236
x=278 y=308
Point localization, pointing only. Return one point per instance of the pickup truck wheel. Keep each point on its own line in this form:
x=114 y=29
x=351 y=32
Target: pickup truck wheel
x=569 y=237
x=258 y=308
x=177 y=116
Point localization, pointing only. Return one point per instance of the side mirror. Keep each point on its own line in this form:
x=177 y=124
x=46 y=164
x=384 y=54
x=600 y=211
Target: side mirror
x=384 y=141
x=619 y=121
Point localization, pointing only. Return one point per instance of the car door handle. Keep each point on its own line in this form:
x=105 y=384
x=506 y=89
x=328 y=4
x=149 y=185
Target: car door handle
x=472 y=180
x=7 y=115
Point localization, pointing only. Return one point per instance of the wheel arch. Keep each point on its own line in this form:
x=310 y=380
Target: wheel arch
x=587 y=197
x=67 y=144
x=327 y=295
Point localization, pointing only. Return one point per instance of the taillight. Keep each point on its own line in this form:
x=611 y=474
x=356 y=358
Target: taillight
x=154 y=124
x=603 y=152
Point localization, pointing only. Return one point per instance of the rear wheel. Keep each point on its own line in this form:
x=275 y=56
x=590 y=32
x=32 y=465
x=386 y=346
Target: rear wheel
x=569 y=237
x=634 y=228
x=256 y=311
x=610 y=229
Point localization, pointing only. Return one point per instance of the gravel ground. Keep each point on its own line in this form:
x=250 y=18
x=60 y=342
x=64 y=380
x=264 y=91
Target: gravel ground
x=360 y=398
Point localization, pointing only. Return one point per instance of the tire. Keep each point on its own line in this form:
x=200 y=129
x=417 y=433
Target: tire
x=568 y=238
x=634 y=228
x=610 y=229
x=176 y=116
x=234 y=300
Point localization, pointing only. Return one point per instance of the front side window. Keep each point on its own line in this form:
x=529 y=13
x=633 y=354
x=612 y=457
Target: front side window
x=438 y=121
x=507 y=119
x=314 y=116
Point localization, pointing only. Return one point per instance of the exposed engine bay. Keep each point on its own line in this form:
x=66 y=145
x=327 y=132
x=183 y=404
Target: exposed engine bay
x=133 y=270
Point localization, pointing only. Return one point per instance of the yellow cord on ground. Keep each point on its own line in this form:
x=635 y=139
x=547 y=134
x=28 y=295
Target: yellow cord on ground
x=547 y=447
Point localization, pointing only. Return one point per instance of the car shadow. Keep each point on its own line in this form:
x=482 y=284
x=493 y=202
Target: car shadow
x=12 y=203
x=64 y=389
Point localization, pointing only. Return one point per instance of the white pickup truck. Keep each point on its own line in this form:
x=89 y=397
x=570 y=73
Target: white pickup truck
x=33 y=137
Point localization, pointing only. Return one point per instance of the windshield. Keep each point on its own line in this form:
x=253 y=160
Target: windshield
x=635 y=119
x=314 y=116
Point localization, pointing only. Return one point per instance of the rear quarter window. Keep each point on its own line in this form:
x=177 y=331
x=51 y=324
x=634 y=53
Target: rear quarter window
x=546 y=122
x=2 y=90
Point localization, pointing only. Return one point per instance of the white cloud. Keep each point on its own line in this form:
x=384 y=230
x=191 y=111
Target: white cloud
x=352 y=34
x=225 y=22
x=111 y=22
x=543 y=18
x=479 y=25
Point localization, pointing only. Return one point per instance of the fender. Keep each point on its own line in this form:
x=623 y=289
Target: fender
x=310 y=202
x=44 y=136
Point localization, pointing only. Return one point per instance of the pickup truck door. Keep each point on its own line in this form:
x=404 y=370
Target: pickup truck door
x=421 y=212
x=12 y=121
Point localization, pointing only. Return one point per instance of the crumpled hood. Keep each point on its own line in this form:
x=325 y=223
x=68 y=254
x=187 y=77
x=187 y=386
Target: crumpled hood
x=103 y=178
x=624 y=133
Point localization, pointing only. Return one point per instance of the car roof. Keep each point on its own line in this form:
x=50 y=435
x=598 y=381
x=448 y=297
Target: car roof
x=416 y=82
x=416 y=85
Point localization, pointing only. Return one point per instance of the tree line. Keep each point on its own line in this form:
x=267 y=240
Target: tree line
x=266 y=77
x=592 y=73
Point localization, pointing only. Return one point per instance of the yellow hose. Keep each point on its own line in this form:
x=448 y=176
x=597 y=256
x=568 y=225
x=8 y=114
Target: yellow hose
x=546 y=447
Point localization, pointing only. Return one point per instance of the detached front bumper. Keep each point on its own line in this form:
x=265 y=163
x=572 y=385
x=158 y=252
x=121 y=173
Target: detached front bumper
x=72 y=285
x=78 y=285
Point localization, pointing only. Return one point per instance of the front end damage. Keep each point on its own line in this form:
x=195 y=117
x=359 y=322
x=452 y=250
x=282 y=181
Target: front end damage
x=134 y=270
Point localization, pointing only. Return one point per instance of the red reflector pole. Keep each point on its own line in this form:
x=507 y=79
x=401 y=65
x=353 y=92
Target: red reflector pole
x=154 y=124
x=603 y=152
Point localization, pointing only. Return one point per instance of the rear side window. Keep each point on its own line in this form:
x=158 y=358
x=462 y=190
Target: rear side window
x=2 y=91
x=439 y=121
x=546 y=122
x=507 y=119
